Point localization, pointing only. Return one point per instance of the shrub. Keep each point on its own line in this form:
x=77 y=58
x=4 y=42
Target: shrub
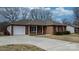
x=58 y=33
x=66 y=32
x=62 y=33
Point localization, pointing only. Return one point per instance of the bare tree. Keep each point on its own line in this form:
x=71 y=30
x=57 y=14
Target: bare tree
x=10 y=13
x=76 y=15
x=40 y=14
x=67 y=21
x=64 y=21
x=25 y=12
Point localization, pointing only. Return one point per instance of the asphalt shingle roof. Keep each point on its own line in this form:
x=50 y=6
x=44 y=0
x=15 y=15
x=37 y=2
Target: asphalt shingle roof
x=36 y=22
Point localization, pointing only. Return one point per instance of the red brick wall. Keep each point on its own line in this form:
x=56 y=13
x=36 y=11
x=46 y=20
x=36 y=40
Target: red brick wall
x=56 y=28
x=49 y=30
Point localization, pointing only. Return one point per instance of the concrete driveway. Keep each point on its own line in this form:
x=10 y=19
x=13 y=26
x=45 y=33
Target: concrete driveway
x=45 y=43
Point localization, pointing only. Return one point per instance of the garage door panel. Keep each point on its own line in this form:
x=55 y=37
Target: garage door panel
x=19 y=30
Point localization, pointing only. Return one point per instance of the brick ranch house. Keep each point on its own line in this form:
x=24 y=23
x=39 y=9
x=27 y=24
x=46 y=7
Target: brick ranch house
x=35 y=27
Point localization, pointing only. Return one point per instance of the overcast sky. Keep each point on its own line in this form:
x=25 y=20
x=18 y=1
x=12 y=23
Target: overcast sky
x=59 y=13
x=63 y=13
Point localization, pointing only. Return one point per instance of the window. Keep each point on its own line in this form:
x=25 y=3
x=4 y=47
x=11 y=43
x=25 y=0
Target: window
x=33 y=28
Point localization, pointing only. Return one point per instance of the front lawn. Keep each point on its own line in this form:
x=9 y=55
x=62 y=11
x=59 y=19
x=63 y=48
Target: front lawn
x=70 y=38
x=20 y=47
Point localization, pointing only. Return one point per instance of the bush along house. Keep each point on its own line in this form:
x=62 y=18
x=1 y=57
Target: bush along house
x=35 y=27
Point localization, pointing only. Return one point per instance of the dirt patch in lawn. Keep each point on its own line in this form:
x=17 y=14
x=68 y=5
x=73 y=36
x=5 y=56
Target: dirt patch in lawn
x=20 y=47
x=69 y=38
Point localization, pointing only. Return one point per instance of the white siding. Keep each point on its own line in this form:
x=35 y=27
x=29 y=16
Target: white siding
x=9 y=29
x=18 y=30
x=70 y=28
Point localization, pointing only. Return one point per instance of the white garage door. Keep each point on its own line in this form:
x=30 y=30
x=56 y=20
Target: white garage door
x=19 y=30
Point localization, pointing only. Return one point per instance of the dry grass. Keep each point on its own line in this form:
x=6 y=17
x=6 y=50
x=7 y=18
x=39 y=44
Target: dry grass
x=70 y=38
x=20 y=47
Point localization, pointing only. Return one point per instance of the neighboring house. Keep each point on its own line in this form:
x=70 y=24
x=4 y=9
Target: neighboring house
x=76 y=29
x=35 y=27
x=72 y=29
